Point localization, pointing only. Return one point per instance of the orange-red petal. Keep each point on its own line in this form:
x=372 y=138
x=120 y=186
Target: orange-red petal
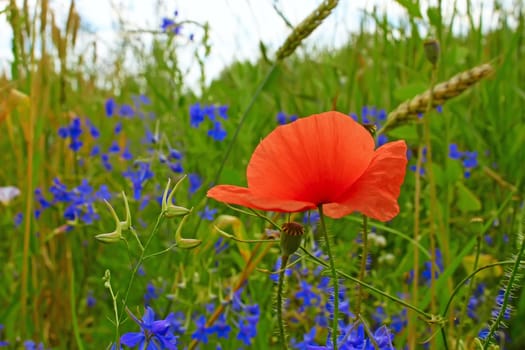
x=375 y=193
x=244 y=197
x=314 y=159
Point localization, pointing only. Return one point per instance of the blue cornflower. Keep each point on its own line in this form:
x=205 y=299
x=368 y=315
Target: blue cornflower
x=221 y=327
x=247 y=330
x=126 y=154
x=308 y=295
x=195 y=182
x=19 y=217
x=31 y=345
x=90 y=299
x=208 y=213
x=381 y=140
x=169 y=25
x=114 y=148
x=221 y=245
x=93 y=130
x=471 y=160
x=110 y=107
x=118 y=128
x=138 y=178
x=150 y=138
x=217 y=133
x=209 y=110
x=154 y=334
x=196 y=115
x=202 y=332
x=281 y=118
x=176 y=167
x=399 y=321
x=223 y=111
x=308 y=339
x=275 y=276
x=126 y=111
x=177 y=321
x=95 y=151
x=151 y=293
x=105 y=161
x=175 y=154
x=63 y=132
x=453 y=151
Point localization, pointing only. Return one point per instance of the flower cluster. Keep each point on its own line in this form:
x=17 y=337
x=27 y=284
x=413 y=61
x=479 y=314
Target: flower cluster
x=214 y=113
x=78 y=201
x=468 y=159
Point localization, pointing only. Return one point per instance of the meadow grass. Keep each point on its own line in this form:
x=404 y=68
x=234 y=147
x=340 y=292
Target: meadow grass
x=74 y=134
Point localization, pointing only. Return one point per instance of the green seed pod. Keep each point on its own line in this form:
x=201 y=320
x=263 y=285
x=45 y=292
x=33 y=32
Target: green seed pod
x=291 y=236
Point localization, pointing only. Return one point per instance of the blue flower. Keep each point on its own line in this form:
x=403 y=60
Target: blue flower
x=195 y=182
x=208 y=213
x=453 y=151
x=31 y=345
x=281 y=118
x=154 y=334
x=221 y=327
x=217 y=133
x=196 y=115
x=110 y=107
x=118 y=128
x=202 y=332
x=308 y=296
x=138 y=178
x=174 y=154
x=223 y=111
x=126 y=111
x=19 y=217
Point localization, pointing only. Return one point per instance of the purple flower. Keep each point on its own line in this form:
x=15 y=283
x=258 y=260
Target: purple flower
x=156 y=333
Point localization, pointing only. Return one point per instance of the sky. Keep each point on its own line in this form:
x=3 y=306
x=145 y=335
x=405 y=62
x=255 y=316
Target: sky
x=236 y=26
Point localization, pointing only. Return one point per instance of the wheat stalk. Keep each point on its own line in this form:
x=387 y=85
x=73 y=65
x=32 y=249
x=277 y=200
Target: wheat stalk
x=442 y=92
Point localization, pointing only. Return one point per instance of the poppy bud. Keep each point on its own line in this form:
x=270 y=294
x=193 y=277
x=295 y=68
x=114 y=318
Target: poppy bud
x=431 y=50
x=291 y=236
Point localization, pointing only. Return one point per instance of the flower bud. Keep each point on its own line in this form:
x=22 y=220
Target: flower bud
x=170 y=210
x=291 y=236
x=185 y=243
x=431 y=50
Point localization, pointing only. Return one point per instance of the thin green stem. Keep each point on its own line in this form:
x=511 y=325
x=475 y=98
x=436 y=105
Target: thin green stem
x=280 y=287
x=471 y=284
x=335 y=281
x=362 y=271
x=160 y=218
x=513 y=278
x=428 y=317
x=464 y=280
x=74 y=318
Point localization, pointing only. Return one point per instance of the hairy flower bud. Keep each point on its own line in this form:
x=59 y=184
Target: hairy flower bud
x=291 y=236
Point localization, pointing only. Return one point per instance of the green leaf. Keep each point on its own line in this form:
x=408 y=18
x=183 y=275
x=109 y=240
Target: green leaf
x=466 y=200
x=434 y=16
x=411 y=6
x=405 y=132
x=409 y=91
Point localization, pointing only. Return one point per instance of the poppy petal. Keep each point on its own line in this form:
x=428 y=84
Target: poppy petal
x=313 y=159
x=244 y=197
x=375 y=193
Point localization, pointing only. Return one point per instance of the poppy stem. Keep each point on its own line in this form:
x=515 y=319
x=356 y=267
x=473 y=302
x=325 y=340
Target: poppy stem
x=280 y=287
x=362 y=271
x=335 y=281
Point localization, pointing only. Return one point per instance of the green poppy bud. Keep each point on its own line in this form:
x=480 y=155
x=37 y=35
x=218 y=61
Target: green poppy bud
x=432 y=50
x=291 y=236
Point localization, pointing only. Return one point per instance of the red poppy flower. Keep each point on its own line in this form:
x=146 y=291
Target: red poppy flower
x=326 y=159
